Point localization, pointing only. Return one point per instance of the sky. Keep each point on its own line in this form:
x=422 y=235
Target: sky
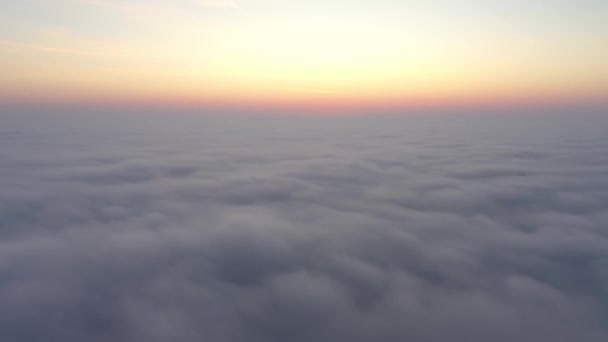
x=381 y=53
x=249 y=171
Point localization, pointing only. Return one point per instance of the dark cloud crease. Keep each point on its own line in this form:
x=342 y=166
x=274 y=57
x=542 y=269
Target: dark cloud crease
x=388 y=229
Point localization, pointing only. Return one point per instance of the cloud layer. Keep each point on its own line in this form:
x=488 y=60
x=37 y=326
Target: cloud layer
x=183 y=229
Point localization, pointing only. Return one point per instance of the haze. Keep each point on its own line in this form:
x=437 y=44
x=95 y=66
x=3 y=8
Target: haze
x=304 y=53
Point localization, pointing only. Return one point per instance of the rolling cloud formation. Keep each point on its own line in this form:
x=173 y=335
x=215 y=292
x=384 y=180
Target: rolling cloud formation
x=410 y=229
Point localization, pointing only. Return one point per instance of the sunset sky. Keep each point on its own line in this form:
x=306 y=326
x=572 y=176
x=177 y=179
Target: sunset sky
x=303 y=170
x=310 y=53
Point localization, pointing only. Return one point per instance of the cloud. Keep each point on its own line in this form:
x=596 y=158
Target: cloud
x=153 y=229
x=19 y=46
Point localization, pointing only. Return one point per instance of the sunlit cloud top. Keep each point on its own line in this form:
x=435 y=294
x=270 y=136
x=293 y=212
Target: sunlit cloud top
x=303 y=52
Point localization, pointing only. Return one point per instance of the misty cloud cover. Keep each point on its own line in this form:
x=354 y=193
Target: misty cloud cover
x=182 y=228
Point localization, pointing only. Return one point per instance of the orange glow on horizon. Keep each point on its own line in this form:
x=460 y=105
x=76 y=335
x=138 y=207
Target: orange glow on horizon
x=299 y=58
